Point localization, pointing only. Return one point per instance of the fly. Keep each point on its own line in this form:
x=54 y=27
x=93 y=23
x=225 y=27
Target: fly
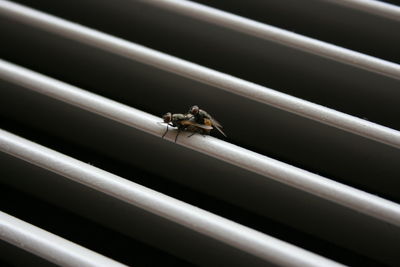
x=202 y=117
x=185 y=122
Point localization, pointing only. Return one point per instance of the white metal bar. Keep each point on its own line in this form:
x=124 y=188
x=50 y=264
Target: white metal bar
x=284 y=37
x=233 y=234
x=344 y=195
x=377 y=8
x=49 y=246
x=196 y=72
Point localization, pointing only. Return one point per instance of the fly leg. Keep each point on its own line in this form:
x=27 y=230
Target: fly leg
x=199 y=131
x=192 y=134
x=165 y=132
x=176 y=137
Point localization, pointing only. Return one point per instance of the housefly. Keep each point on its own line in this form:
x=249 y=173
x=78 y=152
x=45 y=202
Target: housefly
x=185 y=122
x=202 y=117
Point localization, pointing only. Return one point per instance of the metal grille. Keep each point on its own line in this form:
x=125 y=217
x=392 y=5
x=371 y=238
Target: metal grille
x=307 y=91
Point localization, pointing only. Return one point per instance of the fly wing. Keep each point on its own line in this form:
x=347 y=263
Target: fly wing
x=192 y=123
x=217 y=125
x=205 y=127
x=220 y=130
x=214 y=122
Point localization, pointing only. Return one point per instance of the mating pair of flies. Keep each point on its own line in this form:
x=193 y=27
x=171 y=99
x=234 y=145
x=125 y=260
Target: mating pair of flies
x=195 y=121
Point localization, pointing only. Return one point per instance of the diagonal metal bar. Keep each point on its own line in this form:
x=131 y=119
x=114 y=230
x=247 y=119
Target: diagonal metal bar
x=284 y=37
x=196 y=72
x=253 y=242
x=49 y=246
x=317 y=185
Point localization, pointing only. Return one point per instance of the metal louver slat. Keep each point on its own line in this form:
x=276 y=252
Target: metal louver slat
x=268 y=175
x=228 y=43
x=365 y=26
x=287 y=38
x=244 y=239
x=384 y=211
x=317 y=185
x=334 y=159
x=47 y=245
x=228 y=83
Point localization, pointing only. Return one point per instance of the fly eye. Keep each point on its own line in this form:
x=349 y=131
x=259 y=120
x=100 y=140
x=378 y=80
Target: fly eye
x=194 y=110
x=167 y=117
